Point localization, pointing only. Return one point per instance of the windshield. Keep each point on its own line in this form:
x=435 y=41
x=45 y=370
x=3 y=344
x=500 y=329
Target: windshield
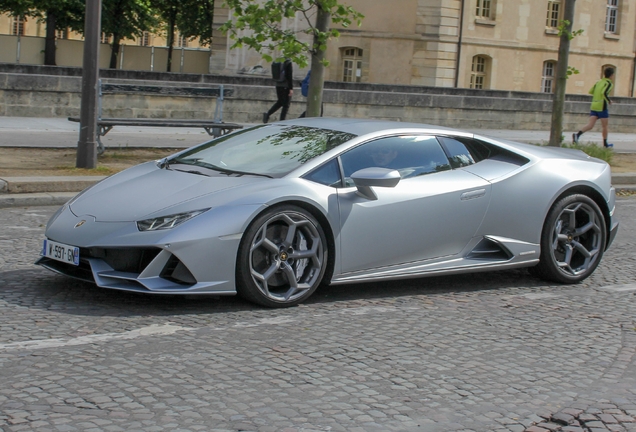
x=268 y=150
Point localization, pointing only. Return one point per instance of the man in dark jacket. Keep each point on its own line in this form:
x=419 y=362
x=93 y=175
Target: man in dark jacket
x=284 y=89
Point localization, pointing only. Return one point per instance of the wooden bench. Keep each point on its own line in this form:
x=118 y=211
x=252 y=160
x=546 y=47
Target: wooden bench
x=215 y=127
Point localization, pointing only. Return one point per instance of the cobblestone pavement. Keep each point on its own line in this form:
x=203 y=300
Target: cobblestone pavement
x=485 y=352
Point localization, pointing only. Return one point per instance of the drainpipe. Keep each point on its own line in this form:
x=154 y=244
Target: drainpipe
x=17 y=54
x=459 y=42
x=633 y=75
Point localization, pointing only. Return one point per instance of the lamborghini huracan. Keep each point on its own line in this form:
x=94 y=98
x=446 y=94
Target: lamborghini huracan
x=274 y=211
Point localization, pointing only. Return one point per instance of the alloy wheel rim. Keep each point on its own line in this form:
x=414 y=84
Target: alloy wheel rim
x=576 y=239
x=286 y=257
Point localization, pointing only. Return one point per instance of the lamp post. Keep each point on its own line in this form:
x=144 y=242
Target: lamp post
x=87 y=144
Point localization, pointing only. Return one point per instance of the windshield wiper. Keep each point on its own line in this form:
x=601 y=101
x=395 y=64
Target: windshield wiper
x=231 y=171
x=192 y=172
x=228 y=171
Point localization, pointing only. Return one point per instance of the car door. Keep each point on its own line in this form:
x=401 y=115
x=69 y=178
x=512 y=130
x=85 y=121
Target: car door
x=433 y=211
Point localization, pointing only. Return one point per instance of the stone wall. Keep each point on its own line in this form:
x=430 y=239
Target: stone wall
x=40 y=91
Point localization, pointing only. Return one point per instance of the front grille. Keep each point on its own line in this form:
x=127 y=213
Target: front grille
x=129 y=260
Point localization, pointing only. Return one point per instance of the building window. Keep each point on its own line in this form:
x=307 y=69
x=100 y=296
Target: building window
x=144 y=40
x=351 y=64
x=61 y=34
x=479 y=73
x=611 y=18
x=484 y=9
x=17 y=26
x=554 y=9
x=549 y=71
x=105 y=38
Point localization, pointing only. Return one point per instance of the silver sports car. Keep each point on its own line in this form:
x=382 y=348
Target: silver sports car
x=273 y=211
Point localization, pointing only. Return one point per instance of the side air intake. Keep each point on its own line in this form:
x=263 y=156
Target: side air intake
x=488 y=249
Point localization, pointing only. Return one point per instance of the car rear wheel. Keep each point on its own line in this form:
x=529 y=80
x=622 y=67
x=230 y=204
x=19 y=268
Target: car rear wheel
x=573 y=240
x=282 y=257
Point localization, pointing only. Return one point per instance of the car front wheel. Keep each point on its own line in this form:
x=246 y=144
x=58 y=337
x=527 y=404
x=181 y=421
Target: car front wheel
x=573 y=240
x=282 y=257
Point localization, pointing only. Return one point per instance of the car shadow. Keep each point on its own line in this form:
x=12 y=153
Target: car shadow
x=44 y=290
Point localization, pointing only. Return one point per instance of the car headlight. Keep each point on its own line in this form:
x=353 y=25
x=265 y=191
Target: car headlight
x=167 y=222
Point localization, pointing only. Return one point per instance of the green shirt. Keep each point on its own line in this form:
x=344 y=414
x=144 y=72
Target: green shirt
x=600 y=94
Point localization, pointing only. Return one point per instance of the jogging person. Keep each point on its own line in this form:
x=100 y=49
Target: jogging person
x=599 y=108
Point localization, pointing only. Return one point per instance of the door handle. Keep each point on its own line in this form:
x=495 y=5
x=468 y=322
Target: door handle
x=473 y=194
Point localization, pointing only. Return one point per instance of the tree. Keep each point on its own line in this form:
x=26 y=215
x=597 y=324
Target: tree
x=558 y=100
x=193 y=18
x=16 y=8
x=57 y=14
x=126 y=19
x=265 y=18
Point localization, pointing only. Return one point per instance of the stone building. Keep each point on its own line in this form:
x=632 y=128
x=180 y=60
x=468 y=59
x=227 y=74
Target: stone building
x=481 y=44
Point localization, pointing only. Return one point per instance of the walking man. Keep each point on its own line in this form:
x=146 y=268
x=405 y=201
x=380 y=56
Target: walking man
x=599 y=108
x=282 y=75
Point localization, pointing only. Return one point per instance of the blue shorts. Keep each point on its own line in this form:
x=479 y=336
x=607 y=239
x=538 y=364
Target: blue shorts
x=599 y=114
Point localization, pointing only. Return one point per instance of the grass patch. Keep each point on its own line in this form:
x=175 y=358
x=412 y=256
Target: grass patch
x=99 y=170
x=593 y=150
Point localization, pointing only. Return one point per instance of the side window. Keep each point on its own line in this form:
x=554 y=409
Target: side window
x=410 y=155
x=327 y=174
x=457 y=151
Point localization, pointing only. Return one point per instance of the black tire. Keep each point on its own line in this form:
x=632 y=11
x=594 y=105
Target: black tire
x=282 y=257
x=572 y=241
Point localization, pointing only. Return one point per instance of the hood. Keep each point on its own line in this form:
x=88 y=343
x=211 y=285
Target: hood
x=147 y=189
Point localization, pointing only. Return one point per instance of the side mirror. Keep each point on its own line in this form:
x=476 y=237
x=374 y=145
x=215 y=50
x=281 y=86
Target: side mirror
x=365 y=178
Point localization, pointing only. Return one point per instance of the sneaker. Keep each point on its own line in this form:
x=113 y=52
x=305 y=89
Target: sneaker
x=265 y=117
x=608 y=145
x=575 y=138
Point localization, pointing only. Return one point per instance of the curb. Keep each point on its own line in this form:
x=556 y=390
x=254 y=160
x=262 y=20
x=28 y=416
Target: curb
x=35 y=199
x=23 y=185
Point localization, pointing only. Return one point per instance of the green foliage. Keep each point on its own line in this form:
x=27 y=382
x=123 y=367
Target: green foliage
x=127 y=18
x=564 y=26
x=259 y=25
x=68 y=13
x=593 y=150
x=193 y=18
x=16 y=7
x=564 y=29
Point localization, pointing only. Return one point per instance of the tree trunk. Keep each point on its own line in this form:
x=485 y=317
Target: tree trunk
x=558 y=101
x=49 y=44
x=114 y=51
x=171 y=27
x=317 y=80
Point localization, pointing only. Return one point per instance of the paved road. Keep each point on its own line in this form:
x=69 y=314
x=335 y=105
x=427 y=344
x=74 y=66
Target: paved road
x=484 y=352
x=60 y=133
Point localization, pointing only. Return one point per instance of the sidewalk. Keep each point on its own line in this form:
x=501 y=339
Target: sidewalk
x=60 y=133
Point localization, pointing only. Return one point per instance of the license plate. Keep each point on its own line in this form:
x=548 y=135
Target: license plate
x=61 y=252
